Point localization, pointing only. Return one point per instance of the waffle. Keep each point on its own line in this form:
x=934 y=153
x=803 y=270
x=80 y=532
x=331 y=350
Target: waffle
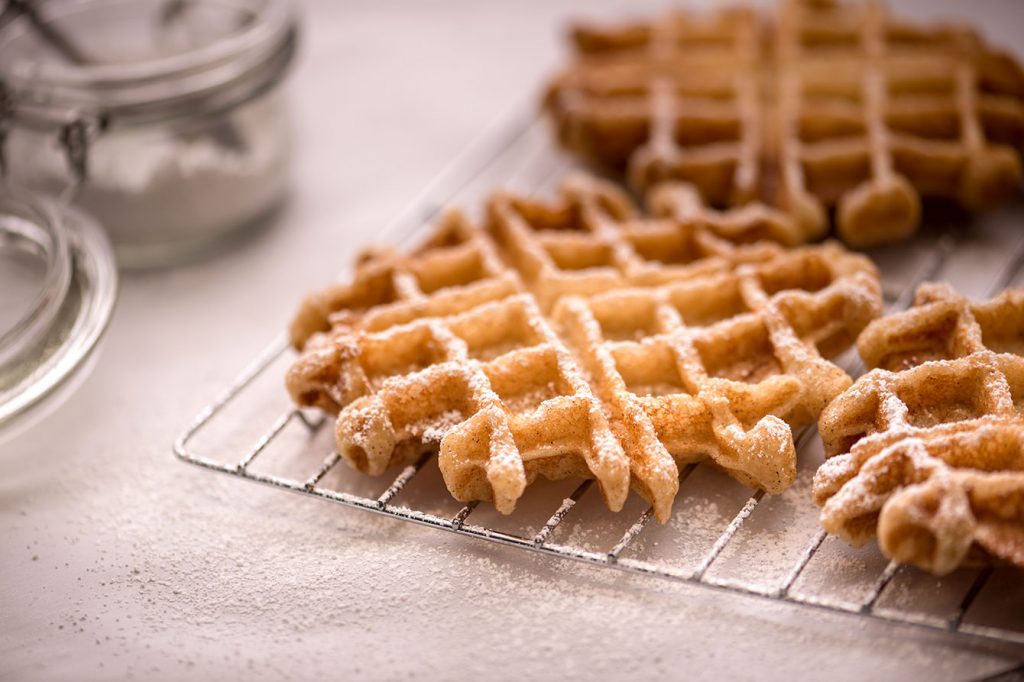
x=927 y=449
x=577 y=338
x=831 y=106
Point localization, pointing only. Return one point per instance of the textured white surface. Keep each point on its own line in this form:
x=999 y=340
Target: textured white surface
x=117 y=561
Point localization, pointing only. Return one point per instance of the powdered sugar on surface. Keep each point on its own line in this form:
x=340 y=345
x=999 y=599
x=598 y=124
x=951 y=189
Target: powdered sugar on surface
x=531 y=399
x=285 y=580
x=434 y=428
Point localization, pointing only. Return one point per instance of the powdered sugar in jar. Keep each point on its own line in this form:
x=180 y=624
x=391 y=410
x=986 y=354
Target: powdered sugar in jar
x=177 y=107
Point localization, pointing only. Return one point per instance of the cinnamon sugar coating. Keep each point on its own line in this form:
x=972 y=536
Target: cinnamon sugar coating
x=927 y=450
x=776 y=118
x=577 y=338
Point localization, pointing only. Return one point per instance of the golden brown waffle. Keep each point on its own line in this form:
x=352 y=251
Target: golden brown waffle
x=829 y=106
x=576 y=338
x=927 y=450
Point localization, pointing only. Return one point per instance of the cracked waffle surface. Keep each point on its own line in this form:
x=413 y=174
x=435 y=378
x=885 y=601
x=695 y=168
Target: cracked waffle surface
x=576 y=338
x=779 y=119
x=927 y=449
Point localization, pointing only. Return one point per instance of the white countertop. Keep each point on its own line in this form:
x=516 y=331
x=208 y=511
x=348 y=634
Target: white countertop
x=117 y=561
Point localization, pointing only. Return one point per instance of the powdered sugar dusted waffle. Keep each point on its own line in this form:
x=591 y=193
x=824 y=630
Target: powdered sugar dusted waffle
x=927 y=449
x=825 y=104
x=576 y=338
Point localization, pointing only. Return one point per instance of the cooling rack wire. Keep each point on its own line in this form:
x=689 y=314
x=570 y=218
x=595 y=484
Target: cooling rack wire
x=519 y=155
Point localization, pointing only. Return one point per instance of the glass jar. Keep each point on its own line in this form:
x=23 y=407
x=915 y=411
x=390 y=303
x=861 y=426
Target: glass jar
x=165 y=117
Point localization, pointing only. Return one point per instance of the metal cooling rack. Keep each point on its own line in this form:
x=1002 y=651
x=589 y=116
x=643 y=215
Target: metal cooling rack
x=979 y=262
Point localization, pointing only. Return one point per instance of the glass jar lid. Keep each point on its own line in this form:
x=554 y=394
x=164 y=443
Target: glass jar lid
x=127 y=62
x=58 y=284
